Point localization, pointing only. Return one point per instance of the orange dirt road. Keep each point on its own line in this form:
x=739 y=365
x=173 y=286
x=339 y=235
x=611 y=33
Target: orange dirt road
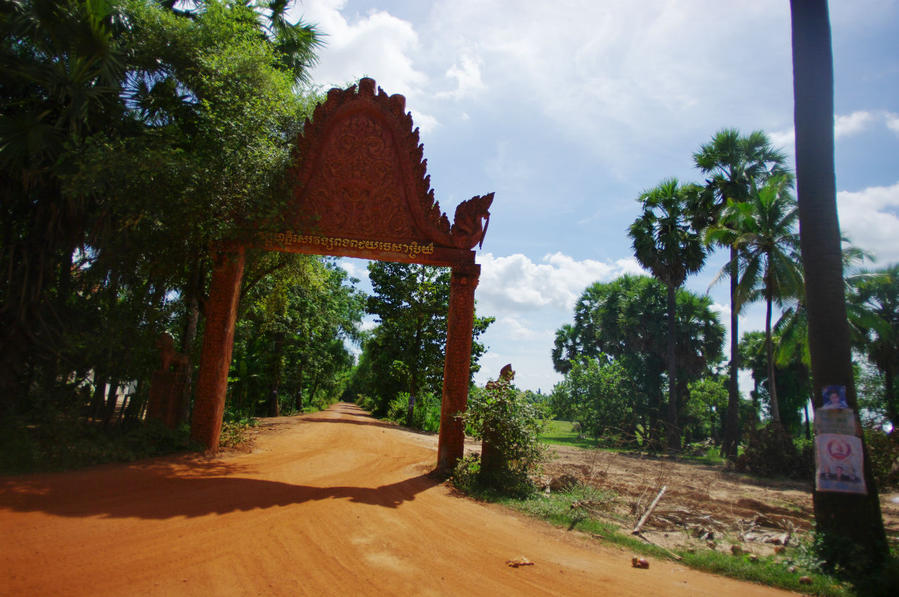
x=331 y=503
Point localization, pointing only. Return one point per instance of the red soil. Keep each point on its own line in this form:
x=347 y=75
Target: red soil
x=331 y=503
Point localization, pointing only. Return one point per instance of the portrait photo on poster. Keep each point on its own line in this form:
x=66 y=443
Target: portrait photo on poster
x=834 y=397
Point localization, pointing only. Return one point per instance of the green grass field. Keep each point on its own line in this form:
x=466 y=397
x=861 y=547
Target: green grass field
x=562 y=434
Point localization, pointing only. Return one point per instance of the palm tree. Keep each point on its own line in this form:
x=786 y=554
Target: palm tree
x=735 y=163
x=874 y=317
x=841 y=520
x=762 y=230
x=666 y=244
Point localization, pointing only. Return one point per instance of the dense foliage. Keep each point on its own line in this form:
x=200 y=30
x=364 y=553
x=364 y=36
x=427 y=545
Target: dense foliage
x=134 y=135
x=668 y=244
x=626 y=322
x=290 y=346
x=508 y=425
x=405 y=351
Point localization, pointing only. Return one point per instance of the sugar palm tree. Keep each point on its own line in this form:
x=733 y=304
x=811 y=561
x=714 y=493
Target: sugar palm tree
x=666 y=243
x=734 y=163
x=762 y=229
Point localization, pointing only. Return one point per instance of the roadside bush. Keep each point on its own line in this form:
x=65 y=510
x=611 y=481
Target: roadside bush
x=396 y=408
x=770 y=452
x=883 y=453
x=365 y=403
x=64 y=441
x=508 y=425
x=425 y=415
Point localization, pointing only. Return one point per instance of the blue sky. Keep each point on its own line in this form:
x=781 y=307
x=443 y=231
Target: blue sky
x=567 y=110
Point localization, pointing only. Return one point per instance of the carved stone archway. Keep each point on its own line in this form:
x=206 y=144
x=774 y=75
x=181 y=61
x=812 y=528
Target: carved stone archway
x=361 y=189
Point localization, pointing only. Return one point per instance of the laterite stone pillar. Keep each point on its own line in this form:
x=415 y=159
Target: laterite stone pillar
x=218 y=340
x=457 y=365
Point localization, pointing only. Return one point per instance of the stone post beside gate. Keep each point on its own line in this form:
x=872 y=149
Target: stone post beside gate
x=457 y=365
x=218 y=340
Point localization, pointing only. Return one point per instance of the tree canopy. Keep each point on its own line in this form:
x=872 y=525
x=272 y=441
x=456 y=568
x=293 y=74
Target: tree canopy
x=134 y=135
x=625 y=321
x=405 y=352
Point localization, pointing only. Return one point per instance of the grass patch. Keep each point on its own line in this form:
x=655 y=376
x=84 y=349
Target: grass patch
x=768 y=571
x=588 y=510
x=711 y=456
x=562 y=433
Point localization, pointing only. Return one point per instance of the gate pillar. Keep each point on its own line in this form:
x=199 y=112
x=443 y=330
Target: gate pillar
x=457 y=365
x=218 y=340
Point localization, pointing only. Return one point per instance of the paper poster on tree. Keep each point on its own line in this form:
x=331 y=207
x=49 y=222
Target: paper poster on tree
x=838 y=447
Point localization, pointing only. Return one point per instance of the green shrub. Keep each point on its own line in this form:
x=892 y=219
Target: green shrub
x=770 y=452
x=64 y=441
x=883 y=453
x=509 y=426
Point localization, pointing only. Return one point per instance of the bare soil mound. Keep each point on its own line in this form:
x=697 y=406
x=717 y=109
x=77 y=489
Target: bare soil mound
x=703 y=506
x=333 y=503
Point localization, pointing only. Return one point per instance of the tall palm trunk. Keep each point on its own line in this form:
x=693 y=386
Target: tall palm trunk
x=673 y=430
x=769 y=349
x=732 y=420
x=849 y=526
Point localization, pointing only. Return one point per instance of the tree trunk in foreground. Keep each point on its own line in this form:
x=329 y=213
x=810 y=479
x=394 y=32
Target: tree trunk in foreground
x=849 y=526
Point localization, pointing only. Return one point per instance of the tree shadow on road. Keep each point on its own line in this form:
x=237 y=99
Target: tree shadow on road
x=136 y=492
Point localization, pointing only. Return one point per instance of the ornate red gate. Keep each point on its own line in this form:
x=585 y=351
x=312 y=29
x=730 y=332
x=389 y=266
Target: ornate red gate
x=361 y=190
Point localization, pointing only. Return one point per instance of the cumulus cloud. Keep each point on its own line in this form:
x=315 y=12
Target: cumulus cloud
x=466 y=71
x=892 y=121
x=515 y=283
x=851 y=124
x=870 y=218
x=357 y=268
x=844 y=125
x=784 y=139
x=515 y=329
x=377 y=45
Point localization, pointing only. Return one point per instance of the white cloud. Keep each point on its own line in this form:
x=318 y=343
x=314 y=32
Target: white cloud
x=784 y=139
x=467 y=73
x=605 y=73
x=515 y=283
x=844 y=125
x=870 y=218
x=892 y=121
x=852 y=124
x=377 y=45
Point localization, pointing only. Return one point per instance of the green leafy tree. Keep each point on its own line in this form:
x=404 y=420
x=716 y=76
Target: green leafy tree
x=133 y=137
x=405 y=353
x=705 y=409
x=62 y=65
x=627 y=321
x=598 y=393
x=792 y=382
x=666 y=244
x=734 y=163
x=291 y=335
